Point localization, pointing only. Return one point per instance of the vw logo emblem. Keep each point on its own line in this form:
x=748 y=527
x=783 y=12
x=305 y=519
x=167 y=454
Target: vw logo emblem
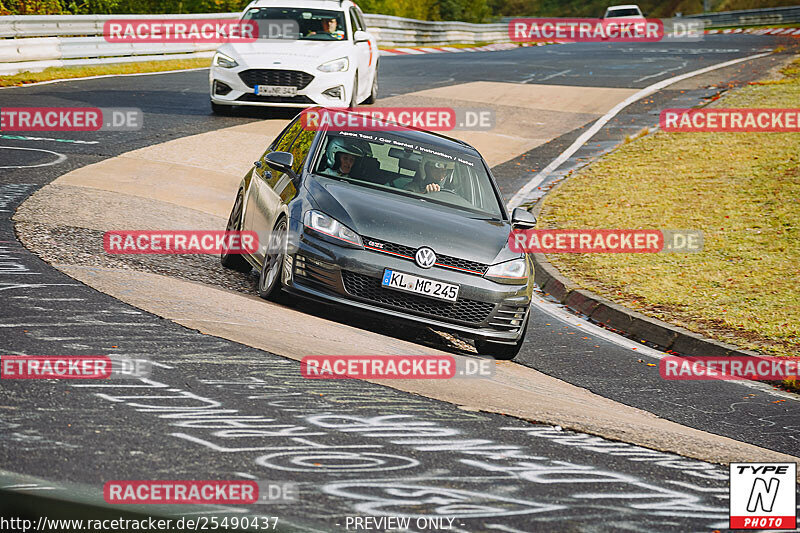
x=425 y=257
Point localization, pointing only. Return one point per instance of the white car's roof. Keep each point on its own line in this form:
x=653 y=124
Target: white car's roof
x=309 y=4
x=626 y=6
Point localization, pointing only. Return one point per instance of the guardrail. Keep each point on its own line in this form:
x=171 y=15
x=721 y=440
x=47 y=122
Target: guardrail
x=36 y=42
x=750 y=17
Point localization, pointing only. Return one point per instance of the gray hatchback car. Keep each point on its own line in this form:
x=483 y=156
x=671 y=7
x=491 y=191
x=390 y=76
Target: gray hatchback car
x=391 y=220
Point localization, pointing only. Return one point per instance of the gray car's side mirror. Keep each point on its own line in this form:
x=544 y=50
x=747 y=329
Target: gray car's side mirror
x=361 y=37
x=281 y=162
x=522 y=219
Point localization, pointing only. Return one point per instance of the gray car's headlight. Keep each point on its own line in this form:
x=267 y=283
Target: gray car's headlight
x=221 y=60
x=331 y=228
x=514 y=272
x=337 y=65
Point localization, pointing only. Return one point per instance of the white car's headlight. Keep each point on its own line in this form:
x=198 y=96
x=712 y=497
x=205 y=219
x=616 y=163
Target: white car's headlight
x=221 y=60
x=337 y=65
x=513 y=272
x=330 y=227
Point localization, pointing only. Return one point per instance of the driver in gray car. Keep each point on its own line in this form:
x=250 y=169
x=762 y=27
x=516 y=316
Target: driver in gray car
x=435 y=175
x=342 y=155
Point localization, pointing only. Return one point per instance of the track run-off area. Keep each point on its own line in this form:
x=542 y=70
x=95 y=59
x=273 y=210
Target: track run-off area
x=574 y=434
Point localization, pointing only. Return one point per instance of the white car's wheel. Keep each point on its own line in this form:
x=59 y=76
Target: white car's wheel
x=354 y=95
x=373 y=95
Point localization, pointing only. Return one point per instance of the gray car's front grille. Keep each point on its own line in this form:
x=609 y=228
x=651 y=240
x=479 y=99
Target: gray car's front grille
x=282 y=78
x=407 y=252
x=368 y=288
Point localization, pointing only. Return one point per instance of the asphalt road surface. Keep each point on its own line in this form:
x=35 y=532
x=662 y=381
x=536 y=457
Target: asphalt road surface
x=215 y=409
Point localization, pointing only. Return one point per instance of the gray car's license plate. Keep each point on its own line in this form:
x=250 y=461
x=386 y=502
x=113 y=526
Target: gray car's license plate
x=427 y=287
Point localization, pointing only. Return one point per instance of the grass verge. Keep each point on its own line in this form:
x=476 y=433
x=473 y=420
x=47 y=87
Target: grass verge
x=60 y=73
x=741 y=189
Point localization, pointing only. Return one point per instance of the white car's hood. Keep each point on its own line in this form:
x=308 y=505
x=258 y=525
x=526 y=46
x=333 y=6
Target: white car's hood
x=290 y=53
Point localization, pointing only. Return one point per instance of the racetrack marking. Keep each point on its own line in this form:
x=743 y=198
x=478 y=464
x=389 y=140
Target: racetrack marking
x=537 y=180
x=9 y=194
x=657 y=74
x=27 y=138
x=60 y=158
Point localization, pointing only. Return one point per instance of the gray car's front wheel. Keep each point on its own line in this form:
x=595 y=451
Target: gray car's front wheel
x=269 y=283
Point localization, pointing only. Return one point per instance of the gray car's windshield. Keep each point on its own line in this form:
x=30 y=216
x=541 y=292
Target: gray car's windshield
x=397 y=165
x=312 y=24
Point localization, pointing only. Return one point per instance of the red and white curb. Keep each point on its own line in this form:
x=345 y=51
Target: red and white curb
x=760 y=31
x=795 y=32
x=446 y=49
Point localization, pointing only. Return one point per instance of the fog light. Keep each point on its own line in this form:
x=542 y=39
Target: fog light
x=221 y=88
x=334 y=92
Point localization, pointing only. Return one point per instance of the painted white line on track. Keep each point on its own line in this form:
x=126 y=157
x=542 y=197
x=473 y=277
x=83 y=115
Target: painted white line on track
x=523 y=193
x=60 y=158
x=558 y=312
x=48 y=82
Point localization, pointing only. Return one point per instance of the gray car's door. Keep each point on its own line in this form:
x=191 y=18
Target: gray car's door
x=261 y=202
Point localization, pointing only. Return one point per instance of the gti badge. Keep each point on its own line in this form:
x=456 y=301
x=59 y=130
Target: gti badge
x=425 y=257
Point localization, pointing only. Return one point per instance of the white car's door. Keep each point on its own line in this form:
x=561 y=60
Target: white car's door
x=365 y=54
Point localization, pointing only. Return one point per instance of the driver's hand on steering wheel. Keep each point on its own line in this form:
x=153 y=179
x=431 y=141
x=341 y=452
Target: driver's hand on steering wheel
x=433 y=187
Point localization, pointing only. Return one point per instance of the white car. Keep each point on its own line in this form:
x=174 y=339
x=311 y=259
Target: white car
x=331 y=60
x=629 y=11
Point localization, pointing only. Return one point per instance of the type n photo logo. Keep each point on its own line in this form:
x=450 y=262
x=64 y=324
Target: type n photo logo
x=763 y=496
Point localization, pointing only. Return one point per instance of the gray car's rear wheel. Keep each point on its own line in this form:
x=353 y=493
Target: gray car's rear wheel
x=502 y=351
x=235 y=261
x=269 y=283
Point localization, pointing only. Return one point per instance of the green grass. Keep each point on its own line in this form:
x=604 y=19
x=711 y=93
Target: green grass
x=59 y=73
x=741 y=189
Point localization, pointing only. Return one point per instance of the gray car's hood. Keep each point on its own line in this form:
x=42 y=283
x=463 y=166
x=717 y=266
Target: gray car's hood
x=412 y=221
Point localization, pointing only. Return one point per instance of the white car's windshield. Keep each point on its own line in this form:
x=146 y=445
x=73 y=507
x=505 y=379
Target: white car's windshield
x=313 y=24
x=624 y=12
x=395 y=164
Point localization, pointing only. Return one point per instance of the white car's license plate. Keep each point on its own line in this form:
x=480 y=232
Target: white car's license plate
x=275 y=90
x=415 y=284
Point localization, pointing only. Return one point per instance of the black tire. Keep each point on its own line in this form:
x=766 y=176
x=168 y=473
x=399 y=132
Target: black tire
x=223 y=110
x=504 y=352
x=269 y=282
x=354 y=96
x=235 y=261
x=373 y=96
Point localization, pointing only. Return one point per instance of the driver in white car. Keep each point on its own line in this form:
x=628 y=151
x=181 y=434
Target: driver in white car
x=329 y=27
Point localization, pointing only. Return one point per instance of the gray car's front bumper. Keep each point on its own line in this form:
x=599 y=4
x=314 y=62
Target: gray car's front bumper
x=341 y=275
